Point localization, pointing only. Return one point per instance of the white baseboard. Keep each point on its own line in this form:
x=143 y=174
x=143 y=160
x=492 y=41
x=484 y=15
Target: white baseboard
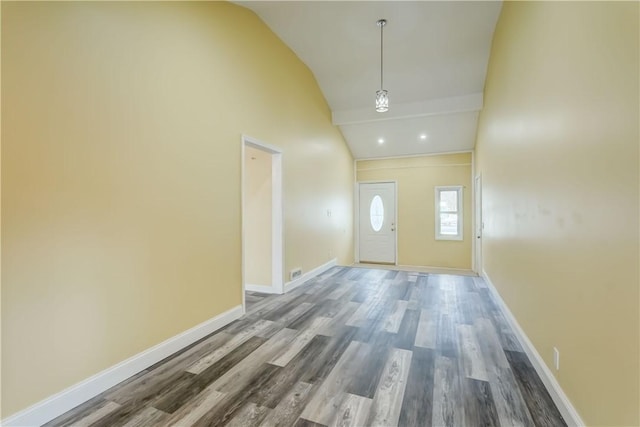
x=309 y=274
x=56 y=405
x=263 y=289
x=569 y=413
x=418 y=268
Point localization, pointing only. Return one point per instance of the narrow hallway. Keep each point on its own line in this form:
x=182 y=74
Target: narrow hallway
x=354 y=346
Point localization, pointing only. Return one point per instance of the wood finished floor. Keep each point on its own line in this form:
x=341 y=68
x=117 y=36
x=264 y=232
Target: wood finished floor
x=352 y=347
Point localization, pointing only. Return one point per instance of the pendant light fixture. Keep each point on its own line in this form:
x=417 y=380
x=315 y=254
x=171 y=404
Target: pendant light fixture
x=382 y=98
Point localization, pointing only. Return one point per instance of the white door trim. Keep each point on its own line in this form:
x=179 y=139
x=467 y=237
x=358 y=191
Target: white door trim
x=473 y=215
x=357 y=216
x=477 y=224
x=277 y=226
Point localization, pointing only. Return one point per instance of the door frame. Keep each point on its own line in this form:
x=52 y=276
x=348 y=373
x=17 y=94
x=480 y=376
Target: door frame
x=477 y=224
x=277 y=226
x=357 y=215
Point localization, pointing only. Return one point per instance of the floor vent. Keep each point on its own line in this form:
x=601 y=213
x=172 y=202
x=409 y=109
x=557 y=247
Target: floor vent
x=294 y=274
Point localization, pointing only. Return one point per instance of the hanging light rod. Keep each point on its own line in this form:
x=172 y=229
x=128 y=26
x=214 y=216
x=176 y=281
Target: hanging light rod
x=382 y=98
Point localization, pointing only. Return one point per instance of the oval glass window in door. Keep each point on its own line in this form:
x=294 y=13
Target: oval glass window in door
x=376 y=213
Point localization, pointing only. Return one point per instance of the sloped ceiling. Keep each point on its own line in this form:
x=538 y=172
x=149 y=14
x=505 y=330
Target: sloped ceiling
x=435 y=61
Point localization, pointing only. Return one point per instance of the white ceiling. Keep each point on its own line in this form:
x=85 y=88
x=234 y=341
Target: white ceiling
x=436 y=56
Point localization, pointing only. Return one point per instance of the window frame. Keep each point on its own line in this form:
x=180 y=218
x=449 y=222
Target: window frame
x=459 y=235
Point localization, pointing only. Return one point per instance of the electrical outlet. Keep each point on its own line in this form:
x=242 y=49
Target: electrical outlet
x=556 y=358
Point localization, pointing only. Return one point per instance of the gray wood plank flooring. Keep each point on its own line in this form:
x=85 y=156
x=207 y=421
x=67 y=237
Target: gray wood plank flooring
x=351 y=347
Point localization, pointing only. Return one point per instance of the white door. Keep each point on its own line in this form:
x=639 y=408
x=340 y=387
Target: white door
x=377 y=222
x=478 y=223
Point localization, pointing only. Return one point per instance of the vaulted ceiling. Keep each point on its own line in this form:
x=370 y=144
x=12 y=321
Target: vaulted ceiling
x=435 y=62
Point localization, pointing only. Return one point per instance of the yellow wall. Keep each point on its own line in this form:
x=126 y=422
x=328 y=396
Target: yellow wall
x=416 y=179
x=121 y=177
x=558 y=151
x=1 y=304
x=258 y=217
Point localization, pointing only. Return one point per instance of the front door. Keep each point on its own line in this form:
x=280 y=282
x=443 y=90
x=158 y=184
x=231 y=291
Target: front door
x=377 y=222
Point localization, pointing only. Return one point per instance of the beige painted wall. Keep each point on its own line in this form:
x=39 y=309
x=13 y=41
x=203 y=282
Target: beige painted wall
x=121 y=157
x=0 y=222
x=558 y=151
x=258 y=227
x=416 y=179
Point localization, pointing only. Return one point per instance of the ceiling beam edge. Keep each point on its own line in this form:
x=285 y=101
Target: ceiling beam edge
x=457 y=104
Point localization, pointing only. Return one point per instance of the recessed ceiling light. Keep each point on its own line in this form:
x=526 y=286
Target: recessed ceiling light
x=423 y=136
x=380 y=141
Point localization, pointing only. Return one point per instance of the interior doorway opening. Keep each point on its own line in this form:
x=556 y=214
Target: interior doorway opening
x=262 y=253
